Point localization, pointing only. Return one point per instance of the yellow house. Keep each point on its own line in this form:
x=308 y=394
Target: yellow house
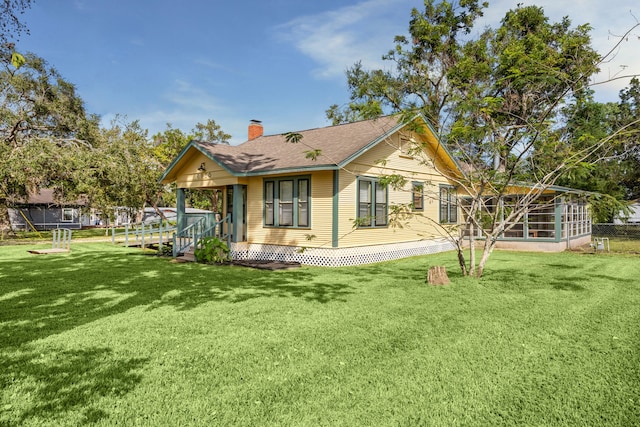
x=319 y=201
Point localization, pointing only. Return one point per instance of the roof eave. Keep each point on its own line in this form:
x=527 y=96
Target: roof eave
x=294 y=169
x=196 y=145
x=370 y=145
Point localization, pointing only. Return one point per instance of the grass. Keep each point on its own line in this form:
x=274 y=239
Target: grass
x=625 y=246
x=106 y=335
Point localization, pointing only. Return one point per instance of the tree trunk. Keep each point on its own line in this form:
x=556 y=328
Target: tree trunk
x=437 y=275
x=472 y=251
x=160 y=213
x=486 y=252
x=473 y=225
x=5 y=221
x=461 y=260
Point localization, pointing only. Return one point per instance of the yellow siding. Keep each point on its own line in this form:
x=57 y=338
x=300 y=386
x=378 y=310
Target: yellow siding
x=321 y=208
x=387 y=159
x=384 y=159
x=188 y=175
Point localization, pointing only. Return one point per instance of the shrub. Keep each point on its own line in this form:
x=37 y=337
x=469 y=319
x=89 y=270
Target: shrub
x=212 y=250
x=165 y=250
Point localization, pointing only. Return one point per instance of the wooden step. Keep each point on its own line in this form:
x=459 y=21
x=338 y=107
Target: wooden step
x=188 y=256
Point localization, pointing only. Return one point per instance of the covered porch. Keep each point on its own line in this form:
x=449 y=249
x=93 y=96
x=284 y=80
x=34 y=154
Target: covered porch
x=554 y=223
x=228 y=225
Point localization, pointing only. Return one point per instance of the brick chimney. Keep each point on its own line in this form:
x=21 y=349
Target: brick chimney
x=255 y=129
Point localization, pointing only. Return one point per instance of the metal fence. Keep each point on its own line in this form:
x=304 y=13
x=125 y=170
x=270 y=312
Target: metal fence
x=619 y=231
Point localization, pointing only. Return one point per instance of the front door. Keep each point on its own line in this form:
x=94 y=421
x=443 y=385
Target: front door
x=237 y=207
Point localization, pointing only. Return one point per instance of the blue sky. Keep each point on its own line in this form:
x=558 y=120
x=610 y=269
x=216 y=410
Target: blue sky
x=279 y=61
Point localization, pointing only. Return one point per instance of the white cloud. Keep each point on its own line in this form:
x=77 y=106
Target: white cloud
x=192 y=98
x=337 y=39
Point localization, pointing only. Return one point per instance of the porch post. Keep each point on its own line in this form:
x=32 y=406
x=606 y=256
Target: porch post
x=559 y=209
x=180 y=209
x=336 y=202
x=237 y=216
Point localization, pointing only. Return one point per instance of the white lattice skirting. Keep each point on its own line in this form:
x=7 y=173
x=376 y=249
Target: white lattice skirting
x=339 y=257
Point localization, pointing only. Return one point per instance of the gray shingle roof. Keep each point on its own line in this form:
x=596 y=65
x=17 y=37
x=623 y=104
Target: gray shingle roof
x=338 y=144
x=47 y=196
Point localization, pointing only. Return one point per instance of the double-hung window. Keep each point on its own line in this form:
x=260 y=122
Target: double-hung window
x=67 y=215
x=372 y=203
x=448 y=205
x=286 y=202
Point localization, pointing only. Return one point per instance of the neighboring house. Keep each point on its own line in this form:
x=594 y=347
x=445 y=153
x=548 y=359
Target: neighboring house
x=332 y=210
x=45 y=212
x=150 y=215
x=634 y=214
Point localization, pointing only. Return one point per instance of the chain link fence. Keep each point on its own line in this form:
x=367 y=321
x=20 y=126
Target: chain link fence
x=619 y=231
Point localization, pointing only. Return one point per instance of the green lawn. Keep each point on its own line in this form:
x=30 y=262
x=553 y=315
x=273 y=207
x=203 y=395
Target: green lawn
x=109 y=336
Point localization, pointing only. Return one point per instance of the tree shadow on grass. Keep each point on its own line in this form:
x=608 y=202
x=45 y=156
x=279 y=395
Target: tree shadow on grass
x=561 y=278
x=41 y=296
x=62 y=383
x=521 y=281
x=238 y=284
x=45 y=295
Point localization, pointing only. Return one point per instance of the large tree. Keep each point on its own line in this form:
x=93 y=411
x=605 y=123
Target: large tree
x=587 y=123
x=124 y=166
x=498 y=99
x=44 y=132
x=629 y=112
x=11 y=26
x=120 y=170
x=48 y=140
x=418 y=79
x=170 y=142
x=613 y=171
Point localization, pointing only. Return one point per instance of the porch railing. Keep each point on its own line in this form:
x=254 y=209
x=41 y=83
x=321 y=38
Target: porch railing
x=191 y=235
x=217 y=230
x=142 y=234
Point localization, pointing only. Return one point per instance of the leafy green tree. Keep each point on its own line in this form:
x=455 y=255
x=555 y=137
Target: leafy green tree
x=614 y=170
x=419 y=79
x=169 y=144
x=588 y=122
x=629 y=112
x=121 y=170
x=124 y=166
x=210 y=132
x=11 y=27
x=48 y=140
x=10 y=24
x=498 y=101
x=44 y=132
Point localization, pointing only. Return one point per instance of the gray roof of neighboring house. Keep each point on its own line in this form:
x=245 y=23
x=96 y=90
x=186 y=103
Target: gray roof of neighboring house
x=47 y=196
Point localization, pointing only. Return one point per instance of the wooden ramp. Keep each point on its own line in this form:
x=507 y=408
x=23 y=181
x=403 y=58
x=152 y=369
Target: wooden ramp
x=61 y=243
